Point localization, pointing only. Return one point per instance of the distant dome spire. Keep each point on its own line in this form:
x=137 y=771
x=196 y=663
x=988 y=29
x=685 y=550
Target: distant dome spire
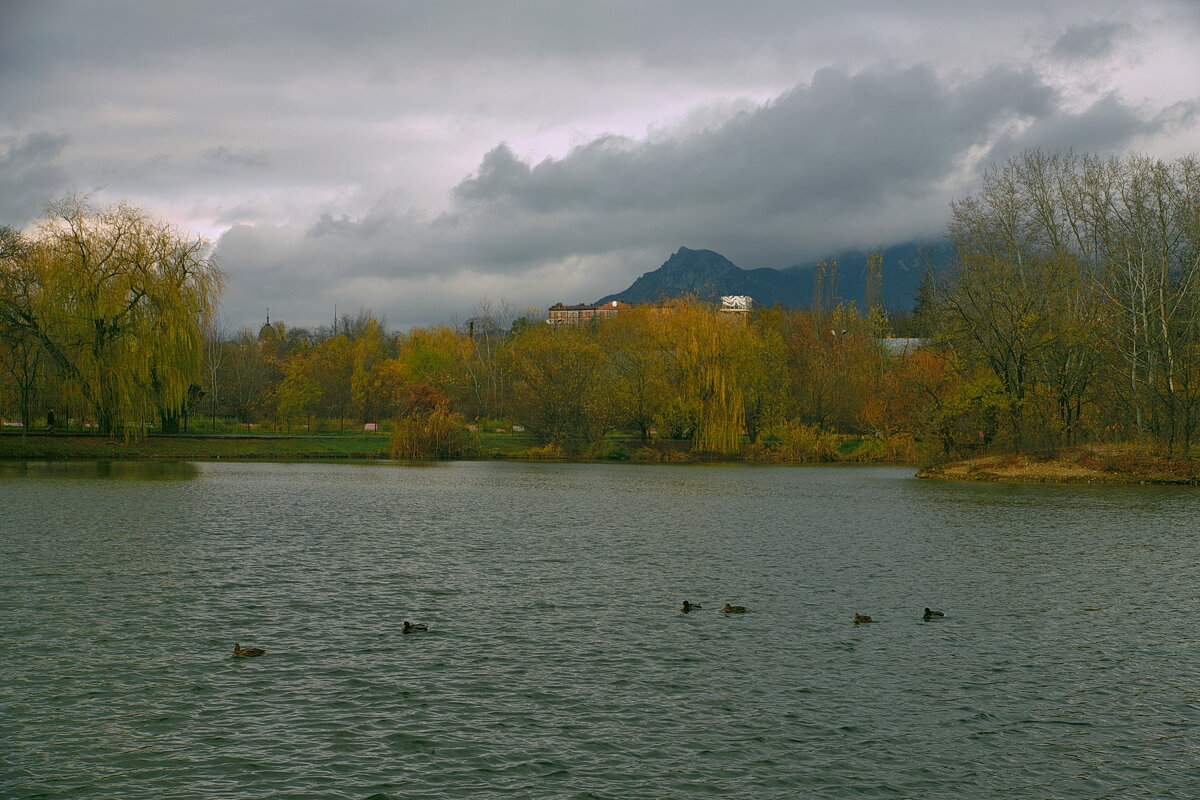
x=267 y=332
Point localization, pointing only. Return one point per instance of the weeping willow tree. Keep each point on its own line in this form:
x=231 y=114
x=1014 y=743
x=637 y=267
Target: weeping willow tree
x=710 y=350
x=123 y=314
x=22 y=290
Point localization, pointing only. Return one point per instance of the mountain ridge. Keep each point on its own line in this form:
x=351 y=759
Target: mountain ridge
x=709 y=275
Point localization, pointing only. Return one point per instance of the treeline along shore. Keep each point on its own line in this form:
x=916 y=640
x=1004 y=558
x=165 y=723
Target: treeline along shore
x=1067 y=322
x=496 y=445
x=1098 y=464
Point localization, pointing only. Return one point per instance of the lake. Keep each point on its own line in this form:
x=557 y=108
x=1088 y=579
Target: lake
x=557 y=664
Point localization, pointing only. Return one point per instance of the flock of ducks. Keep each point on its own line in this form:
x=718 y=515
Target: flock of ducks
x=685 y=607
x=250 y=652
x=857 y=619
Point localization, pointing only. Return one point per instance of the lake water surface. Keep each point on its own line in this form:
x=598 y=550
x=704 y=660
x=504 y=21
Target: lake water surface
x=557 y=664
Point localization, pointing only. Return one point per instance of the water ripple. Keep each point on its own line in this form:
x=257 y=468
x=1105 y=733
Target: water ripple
x=557 y=666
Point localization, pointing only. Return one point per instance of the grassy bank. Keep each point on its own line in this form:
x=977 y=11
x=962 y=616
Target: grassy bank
x=194 y=448
x=1100 y=464
x=490 y=445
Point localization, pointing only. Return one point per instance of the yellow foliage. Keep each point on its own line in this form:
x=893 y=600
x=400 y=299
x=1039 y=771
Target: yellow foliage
x=709 y=351
x=123 y=304
x=439 y=433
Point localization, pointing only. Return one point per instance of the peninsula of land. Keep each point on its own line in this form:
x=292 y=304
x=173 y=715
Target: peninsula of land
x=1114 y=465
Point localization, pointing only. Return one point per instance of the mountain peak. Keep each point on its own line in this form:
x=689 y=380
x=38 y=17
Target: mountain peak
x=708 y=275
x=703 y=273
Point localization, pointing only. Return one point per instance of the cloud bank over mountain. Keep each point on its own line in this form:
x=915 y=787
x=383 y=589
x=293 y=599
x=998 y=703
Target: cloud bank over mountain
x=415 y=158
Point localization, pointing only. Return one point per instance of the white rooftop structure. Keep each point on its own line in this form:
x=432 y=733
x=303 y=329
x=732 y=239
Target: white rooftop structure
x=903 y=347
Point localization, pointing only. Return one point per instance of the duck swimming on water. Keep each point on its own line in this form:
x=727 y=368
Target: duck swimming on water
x=931 y=614
x=860 y=618
x=249 y=652
x=410 y=628
x=687 y=606
x=728 y=609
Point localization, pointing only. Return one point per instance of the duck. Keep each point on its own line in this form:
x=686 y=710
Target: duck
x=859 y=618
x=249 y=652
x=728 y=609
x=410 y=628
x=931 y=614
x=688 y=605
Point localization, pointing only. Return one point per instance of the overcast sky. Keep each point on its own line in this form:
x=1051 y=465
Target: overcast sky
x=415 y=157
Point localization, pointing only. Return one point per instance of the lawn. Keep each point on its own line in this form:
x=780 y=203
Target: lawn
x=59 y=446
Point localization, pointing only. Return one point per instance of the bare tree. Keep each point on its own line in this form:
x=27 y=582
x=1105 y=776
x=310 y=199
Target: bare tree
x=215 y=334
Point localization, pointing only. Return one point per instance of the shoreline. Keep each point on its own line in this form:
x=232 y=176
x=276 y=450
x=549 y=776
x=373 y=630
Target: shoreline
x=66 y=446
x=334 y=447
x=1111 y=465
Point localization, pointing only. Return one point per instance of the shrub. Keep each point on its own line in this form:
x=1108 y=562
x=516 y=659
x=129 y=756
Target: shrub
x=807 y=443
x=902 y=449
x=866 y=451
x=546 y=452
x=438 y=433
x=761 y=451
x=617 y=452
x=646 y=454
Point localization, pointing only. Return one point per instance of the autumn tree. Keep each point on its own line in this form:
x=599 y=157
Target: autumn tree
x=426 y=427
x=331 y=369
x=487 y=332
x=127 y=301
x=1069 y=268
x=833 y=363
x=22 y=304
x=370 y=347
x=434 y=355
x=297 y=395
x=709 y=351
x=559 y=391
x=638 y=357
x=249 y=372
x=764 y=374
x=1136 y=223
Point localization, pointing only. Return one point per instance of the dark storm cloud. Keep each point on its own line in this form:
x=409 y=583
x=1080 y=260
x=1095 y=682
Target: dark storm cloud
x=1106 y=126
x=1096 y=40
x=30 y=176
x=396 y=152
x=834 y=152
x=848 y=159
x=842 y=140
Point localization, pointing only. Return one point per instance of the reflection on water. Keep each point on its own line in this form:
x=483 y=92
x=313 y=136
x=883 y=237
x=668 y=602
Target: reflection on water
x=557 y=663
x=121 y=469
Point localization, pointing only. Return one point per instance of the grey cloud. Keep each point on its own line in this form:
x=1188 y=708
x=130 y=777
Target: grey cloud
x=237 y=157
x=1106 y=126
x=843 y=141
x=849 y=159
x=500 y=174
x=30 y=176
x=656 y=115
x=1089 y=42
x=1179 y=116
x=376 y=35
